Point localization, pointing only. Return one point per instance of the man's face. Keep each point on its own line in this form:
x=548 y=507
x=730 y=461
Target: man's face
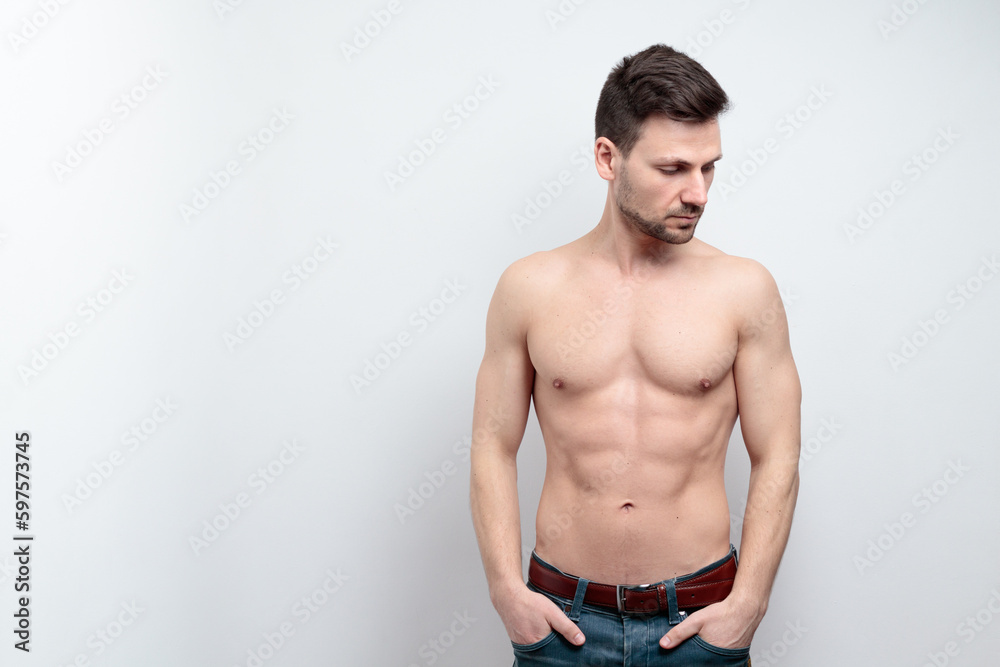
x=662 y=188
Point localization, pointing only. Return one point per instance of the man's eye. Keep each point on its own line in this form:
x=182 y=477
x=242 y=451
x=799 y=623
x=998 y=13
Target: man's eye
x=669 y=171
x=709 y=167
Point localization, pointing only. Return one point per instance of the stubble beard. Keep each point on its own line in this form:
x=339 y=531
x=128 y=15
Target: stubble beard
x=656 y=229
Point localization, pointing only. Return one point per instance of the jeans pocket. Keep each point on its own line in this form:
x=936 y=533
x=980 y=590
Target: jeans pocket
x=718 y=650
x=527 y=648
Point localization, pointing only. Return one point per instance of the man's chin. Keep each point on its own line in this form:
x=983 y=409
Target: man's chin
x=679 y=236
x=675 y=235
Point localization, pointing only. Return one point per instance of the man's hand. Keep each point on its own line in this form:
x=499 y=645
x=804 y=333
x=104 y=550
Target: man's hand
x=529 y=617
x=723 y=624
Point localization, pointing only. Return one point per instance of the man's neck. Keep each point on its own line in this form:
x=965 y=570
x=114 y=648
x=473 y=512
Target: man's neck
x=616 y=241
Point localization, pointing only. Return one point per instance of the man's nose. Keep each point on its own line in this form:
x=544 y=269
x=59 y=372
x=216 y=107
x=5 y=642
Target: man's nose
x=695 y=192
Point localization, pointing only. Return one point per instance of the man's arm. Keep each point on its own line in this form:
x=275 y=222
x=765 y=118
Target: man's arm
x=769 y=397
x=503 y=394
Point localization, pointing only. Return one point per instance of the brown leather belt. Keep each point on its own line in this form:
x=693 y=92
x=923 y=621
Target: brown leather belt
x=692 y=593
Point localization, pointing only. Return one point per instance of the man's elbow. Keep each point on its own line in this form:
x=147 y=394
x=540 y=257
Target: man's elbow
x=780 y=467
x=493 y=450
x=778 y=454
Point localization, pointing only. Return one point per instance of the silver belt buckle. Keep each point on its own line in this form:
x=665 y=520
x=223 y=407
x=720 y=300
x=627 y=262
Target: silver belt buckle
x=620 y=595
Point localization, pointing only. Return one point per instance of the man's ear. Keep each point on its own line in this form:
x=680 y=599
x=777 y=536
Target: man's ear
x=606 y=158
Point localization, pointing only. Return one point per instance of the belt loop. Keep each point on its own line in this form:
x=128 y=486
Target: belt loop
x=674 y=613
x=581 y=590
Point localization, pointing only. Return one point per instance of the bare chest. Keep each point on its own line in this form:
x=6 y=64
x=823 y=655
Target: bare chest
x=680 y=337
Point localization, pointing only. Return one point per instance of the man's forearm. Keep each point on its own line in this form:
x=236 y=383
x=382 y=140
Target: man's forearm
x=496 y=517
x=766 y=524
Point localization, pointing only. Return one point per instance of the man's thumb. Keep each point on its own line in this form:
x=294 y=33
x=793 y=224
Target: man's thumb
x=567 y=629
x=679 y=633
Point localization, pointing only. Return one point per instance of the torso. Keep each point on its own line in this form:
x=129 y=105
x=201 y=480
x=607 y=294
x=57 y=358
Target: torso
x=635 y=396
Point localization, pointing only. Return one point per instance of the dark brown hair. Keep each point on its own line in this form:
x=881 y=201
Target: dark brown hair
x=658 y=80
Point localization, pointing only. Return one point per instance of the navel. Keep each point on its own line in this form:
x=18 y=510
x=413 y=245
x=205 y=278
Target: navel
x=627 y=507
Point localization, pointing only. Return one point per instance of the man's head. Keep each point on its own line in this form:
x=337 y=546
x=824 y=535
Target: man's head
x=658 y=140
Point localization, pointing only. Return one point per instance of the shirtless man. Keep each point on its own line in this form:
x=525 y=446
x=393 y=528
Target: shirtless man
x=640 y=346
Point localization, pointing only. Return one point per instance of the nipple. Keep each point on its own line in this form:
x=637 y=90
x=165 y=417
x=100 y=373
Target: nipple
x=557 y=383
x=706 y=383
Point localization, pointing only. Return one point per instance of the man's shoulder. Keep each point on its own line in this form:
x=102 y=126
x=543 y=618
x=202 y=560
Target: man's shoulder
x=537 y=271
x=743 y=272
x=525 y=285
x=750 y=290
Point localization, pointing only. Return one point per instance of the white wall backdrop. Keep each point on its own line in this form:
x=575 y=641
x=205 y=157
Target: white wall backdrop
x=246 y=250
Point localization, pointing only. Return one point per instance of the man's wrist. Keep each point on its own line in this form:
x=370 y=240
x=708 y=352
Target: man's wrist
x=502 y=591
x=751 y=607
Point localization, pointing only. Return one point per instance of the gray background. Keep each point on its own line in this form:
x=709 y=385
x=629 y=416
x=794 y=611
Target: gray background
x=884 y=80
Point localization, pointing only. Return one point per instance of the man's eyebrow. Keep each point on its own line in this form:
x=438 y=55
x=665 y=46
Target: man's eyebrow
x=669 y=159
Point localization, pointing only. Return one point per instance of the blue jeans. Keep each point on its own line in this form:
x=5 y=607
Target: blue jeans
x=623 y=640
